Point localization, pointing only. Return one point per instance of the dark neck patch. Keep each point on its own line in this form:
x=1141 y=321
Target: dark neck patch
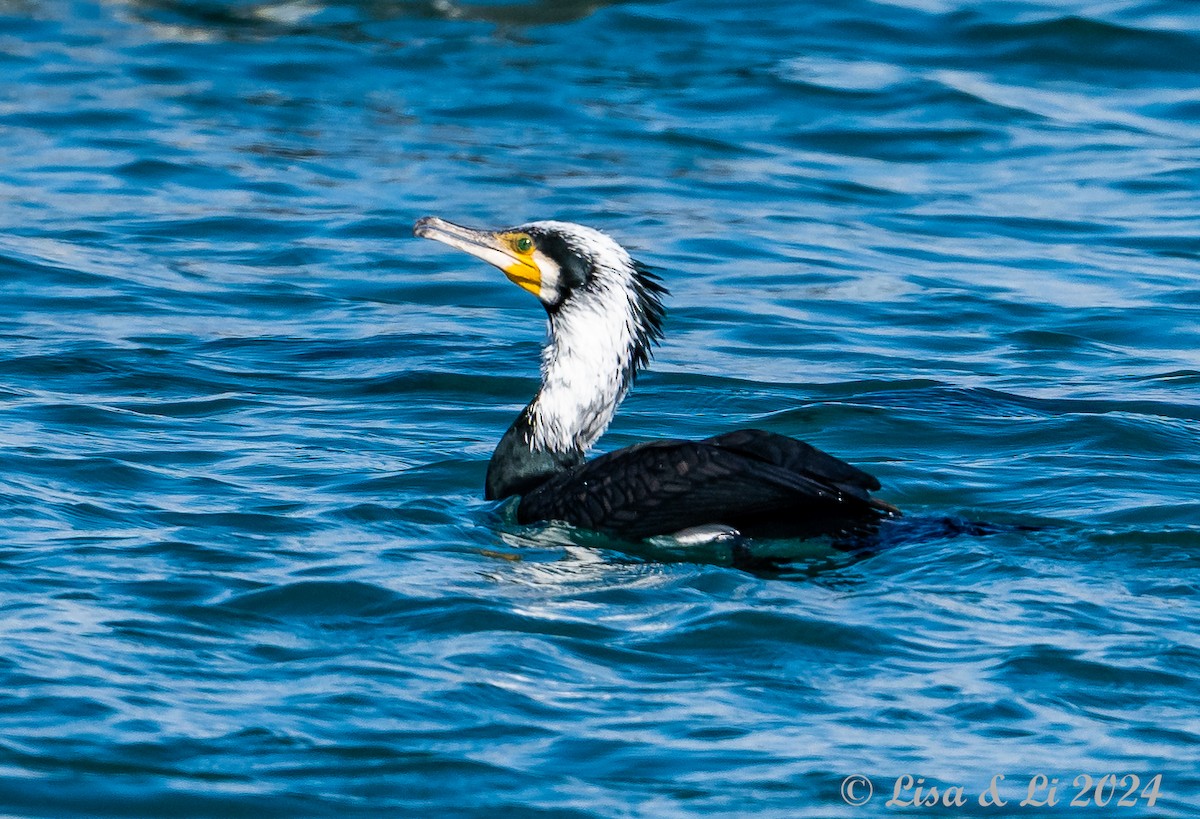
x=516 y=468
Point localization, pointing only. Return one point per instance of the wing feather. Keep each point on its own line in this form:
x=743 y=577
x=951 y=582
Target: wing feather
x=742 y=479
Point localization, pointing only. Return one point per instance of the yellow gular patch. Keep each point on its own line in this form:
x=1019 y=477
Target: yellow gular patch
x=524 y=271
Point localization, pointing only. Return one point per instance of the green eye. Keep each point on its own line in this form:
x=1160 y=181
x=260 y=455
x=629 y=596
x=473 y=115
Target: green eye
x=523 y=244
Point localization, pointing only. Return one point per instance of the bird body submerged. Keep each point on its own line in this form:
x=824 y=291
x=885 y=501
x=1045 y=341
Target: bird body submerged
x=605 y=313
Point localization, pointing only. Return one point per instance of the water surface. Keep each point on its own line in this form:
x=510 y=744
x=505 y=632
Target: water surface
x=247 y=569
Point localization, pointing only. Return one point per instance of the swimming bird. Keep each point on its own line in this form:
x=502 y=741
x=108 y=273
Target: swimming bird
x=605 y=314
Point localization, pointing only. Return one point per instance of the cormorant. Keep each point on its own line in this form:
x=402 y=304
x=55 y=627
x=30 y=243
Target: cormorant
x=605 y=313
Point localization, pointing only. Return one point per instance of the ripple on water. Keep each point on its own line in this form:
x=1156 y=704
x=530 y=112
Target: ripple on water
x=247 y=567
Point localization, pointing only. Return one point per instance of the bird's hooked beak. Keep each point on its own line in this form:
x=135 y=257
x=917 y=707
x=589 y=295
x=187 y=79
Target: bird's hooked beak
x=511 y=251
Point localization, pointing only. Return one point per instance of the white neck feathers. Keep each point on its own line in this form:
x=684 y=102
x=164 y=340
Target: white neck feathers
x=588 y=364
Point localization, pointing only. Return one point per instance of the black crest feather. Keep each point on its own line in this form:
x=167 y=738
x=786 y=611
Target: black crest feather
x=649 y=312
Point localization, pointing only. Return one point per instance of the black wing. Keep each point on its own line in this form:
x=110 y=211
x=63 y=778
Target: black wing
x=758 y=482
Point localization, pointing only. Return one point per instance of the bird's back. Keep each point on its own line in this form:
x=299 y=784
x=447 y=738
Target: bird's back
x=760 y=483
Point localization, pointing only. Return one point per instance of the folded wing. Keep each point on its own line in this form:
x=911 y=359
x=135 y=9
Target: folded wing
x=761 y=483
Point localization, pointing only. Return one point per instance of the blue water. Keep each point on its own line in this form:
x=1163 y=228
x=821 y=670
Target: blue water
x=246 y=566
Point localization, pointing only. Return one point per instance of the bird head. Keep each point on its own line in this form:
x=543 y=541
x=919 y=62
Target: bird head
x=558 y=262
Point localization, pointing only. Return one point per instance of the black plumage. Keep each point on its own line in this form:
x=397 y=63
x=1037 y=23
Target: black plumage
x=760 y=483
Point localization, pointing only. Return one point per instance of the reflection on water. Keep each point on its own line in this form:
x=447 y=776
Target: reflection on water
x=537 y=12
x=201 y=20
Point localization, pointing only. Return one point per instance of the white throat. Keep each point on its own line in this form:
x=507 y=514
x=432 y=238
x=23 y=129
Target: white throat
x=587 y=366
